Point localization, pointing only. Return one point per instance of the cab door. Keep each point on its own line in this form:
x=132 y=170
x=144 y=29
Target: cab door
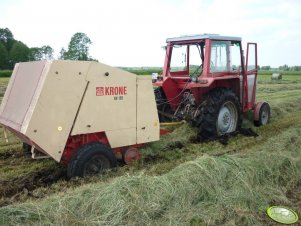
x=250 y=76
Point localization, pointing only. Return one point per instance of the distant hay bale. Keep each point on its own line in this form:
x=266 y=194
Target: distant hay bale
x=276 y=76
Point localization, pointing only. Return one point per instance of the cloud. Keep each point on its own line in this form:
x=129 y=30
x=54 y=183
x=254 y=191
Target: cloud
x=131 y=33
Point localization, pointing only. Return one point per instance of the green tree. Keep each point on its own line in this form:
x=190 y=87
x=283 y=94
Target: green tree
x=18 y=53
x=35 y=53
x=296 y=68
x=3 y=57
x=78 y=48
x=47 y=52
x=266 y=68
x=62 y=54
x=6 y=38
x=285 y=67
x=43 y=53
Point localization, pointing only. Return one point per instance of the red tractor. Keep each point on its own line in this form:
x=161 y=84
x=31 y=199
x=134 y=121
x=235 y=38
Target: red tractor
x=206 y=81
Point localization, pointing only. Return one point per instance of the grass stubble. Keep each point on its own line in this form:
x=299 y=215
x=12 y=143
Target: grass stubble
x=177 y=182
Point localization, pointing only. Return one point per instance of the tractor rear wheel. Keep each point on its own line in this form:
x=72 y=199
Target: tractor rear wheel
x=219 y=113
x=91 y=159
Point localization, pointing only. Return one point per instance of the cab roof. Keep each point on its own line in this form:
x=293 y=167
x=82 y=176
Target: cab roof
x=203 y=36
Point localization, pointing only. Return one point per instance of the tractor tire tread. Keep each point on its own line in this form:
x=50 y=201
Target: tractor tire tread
x=162 y=104
x=210 y=107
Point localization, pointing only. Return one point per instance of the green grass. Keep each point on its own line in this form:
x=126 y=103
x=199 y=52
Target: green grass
x=3 y=85
x=5 y=73
x=270 y=72
x=231 y=189
x=177 y=181
x=288 y=78
x=143 y=70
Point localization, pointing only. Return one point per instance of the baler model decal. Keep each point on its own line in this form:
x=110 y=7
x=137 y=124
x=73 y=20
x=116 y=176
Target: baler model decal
x=111 y=91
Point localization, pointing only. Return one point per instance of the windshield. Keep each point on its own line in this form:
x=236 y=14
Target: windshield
x=187 y=59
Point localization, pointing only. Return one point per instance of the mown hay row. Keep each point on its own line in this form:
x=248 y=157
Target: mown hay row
x=224 y=190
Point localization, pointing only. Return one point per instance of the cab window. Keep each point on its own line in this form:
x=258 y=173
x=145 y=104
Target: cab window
x=219 y=59
x=225 y=56
x=178 y=58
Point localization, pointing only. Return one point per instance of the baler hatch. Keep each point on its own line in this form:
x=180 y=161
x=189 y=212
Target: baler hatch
x=41 y=103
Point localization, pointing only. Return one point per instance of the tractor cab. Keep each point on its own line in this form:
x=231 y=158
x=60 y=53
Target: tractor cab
x=206 y=67
x=203 y=55
x=208 y=61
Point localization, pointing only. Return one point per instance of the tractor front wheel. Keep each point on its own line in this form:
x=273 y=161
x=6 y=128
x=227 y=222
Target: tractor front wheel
x=262 y=114
x=91 y=159
x=219 y=113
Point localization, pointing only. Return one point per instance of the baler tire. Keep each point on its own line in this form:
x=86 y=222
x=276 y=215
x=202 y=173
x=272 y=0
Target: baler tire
x=26 y=149
x=88 y=153
x=210 y=109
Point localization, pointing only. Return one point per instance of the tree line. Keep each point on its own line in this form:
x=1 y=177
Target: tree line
x=13 y=51
x=284 y=67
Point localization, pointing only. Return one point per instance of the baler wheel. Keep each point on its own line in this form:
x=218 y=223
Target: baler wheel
x=26 y=149
x=91 y=159
x=264 y=113
x=220 y=113
x=130 y=155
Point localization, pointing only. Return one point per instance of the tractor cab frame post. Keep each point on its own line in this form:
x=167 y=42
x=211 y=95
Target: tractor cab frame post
x=248 y=105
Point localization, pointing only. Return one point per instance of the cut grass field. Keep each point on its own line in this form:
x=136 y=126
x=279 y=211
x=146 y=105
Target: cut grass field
x=178 y=181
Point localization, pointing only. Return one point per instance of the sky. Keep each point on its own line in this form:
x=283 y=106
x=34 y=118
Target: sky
x=132 y=32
